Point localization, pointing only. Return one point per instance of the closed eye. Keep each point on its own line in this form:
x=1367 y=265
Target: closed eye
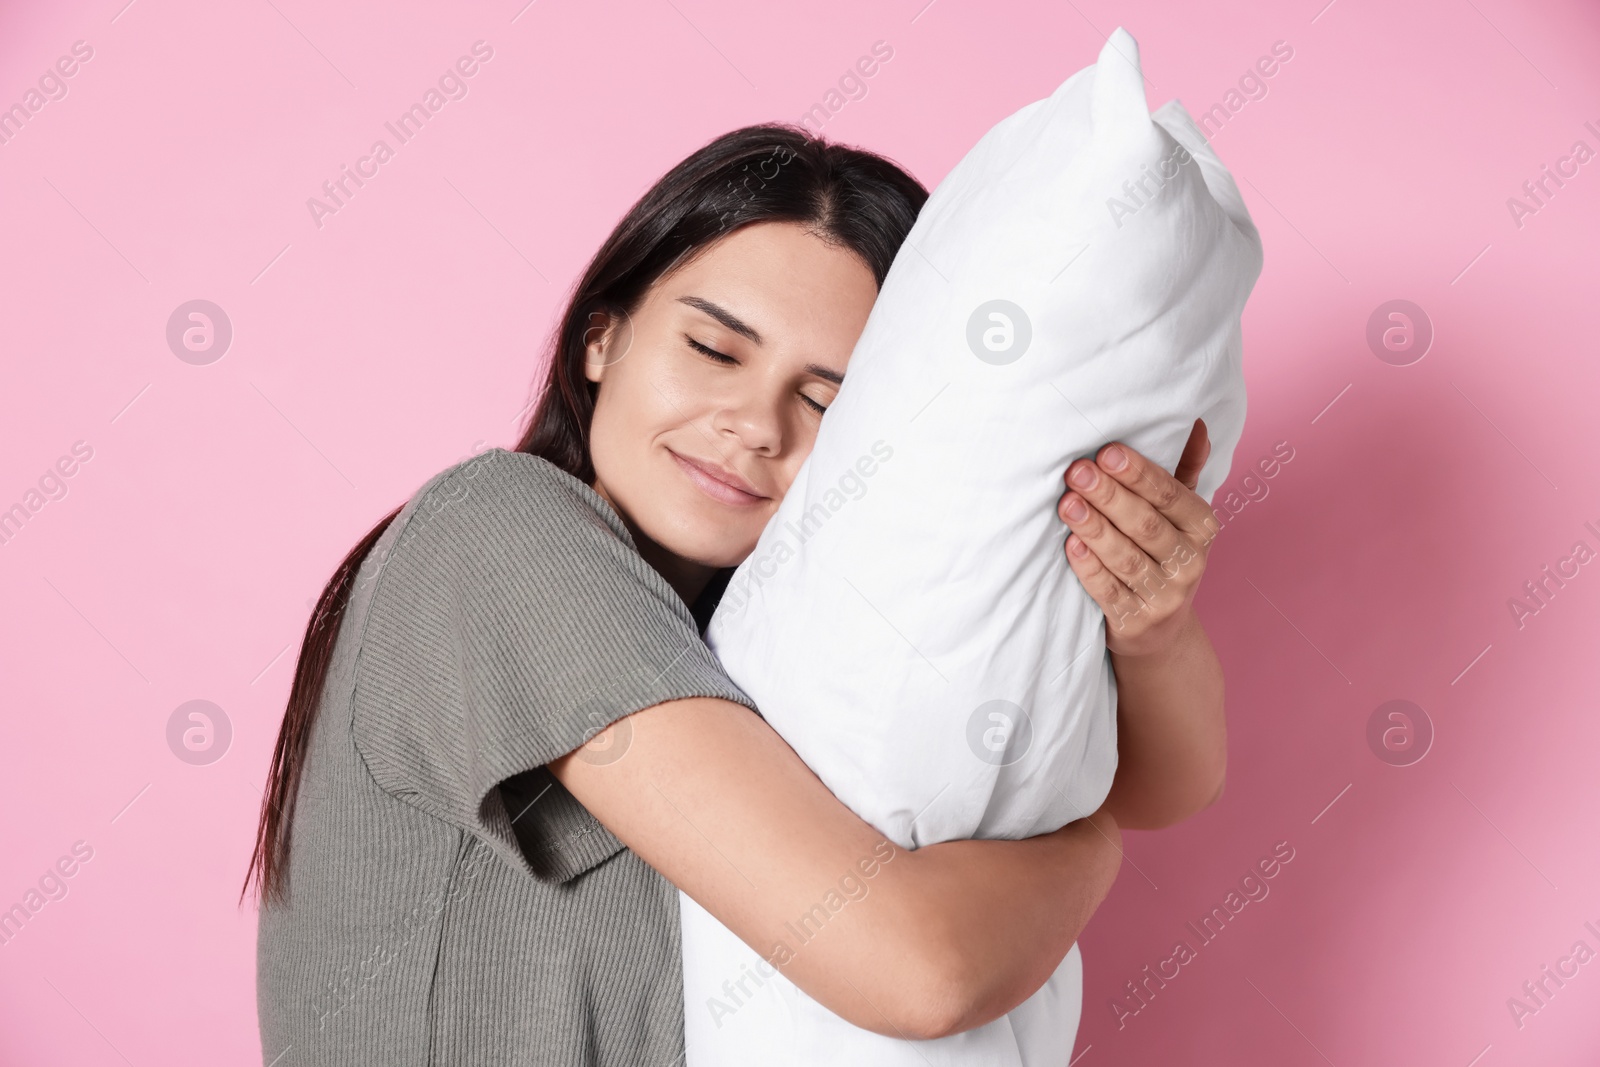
x=709 y=352
x=726 y=360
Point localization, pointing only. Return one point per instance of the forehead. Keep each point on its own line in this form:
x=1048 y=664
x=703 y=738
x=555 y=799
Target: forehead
x=782 y=279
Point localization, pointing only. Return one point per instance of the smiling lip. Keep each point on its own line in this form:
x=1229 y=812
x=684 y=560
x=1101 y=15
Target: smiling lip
x=719 y=483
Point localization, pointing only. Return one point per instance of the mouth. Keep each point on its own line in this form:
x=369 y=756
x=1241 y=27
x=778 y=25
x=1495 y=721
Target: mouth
x=716 y=483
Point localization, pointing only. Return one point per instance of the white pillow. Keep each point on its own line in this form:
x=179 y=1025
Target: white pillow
x=908 y=621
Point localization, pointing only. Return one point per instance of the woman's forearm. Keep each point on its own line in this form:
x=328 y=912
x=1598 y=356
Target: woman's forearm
x=1172 y=743
x=912 y=944
x=1001 y=952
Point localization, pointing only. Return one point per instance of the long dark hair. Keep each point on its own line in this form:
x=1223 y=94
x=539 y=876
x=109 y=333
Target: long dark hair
x=770 y=172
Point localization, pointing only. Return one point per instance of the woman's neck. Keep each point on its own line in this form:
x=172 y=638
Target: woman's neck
x=686 y=577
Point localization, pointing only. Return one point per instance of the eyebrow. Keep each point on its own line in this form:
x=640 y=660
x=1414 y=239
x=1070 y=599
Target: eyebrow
x=724 y=316
x=744 y=329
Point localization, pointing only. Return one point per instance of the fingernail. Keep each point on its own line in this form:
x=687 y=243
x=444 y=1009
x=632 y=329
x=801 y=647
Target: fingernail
x=1076 y=511
x=1114 y=459
x=1083 y=476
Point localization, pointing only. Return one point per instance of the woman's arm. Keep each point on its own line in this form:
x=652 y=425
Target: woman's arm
x=1172 y=735
x=709 y=795
x=1139 y=545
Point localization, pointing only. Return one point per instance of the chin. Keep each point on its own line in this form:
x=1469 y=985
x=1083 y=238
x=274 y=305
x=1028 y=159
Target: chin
x=715 y=552
x=699 y=535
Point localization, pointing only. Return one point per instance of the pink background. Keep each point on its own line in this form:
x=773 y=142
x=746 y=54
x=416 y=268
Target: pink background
x=405 y=332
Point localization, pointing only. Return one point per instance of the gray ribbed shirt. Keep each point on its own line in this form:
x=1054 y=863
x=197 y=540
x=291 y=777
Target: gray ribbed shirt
x=449 y=902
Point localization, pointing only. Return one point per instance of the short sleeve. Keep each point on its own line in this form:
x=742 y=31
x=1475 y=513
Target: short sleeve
x=511 y=620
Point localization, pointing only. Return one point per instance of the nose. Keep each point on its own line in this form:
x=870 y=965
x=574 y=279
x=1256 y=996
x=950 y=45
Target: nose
x=753 y=417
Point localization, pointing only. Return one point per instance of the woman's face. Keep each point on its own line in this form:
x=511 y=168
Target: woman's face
x=721 y=375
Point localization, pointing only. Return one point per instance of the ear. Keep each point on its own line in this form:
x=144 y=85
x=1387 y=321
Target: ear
x=599 y=340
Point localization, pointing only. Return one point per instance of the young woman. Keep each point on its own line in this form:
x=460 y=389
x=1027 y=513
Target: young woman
x=506 y=742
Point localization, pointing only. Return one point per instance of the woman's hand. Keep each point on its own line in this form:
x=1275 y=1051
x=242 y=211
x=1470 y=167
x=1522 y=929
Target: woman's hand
x=1140 y=541
x=1140 y=548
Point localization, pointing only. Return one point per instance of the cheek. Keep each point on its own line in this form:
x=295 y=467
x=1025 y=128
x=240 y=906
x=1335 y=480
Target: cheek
x=665 y=378
x=642 y=394
x=645 y=398
x=786 y=480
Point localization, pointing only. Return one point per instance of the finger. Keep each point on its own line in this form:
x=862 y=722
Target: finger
x=1147 y=532
x=1183 y=507
x=1195 y=453
x=1115 y=550
x=1115 y=598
